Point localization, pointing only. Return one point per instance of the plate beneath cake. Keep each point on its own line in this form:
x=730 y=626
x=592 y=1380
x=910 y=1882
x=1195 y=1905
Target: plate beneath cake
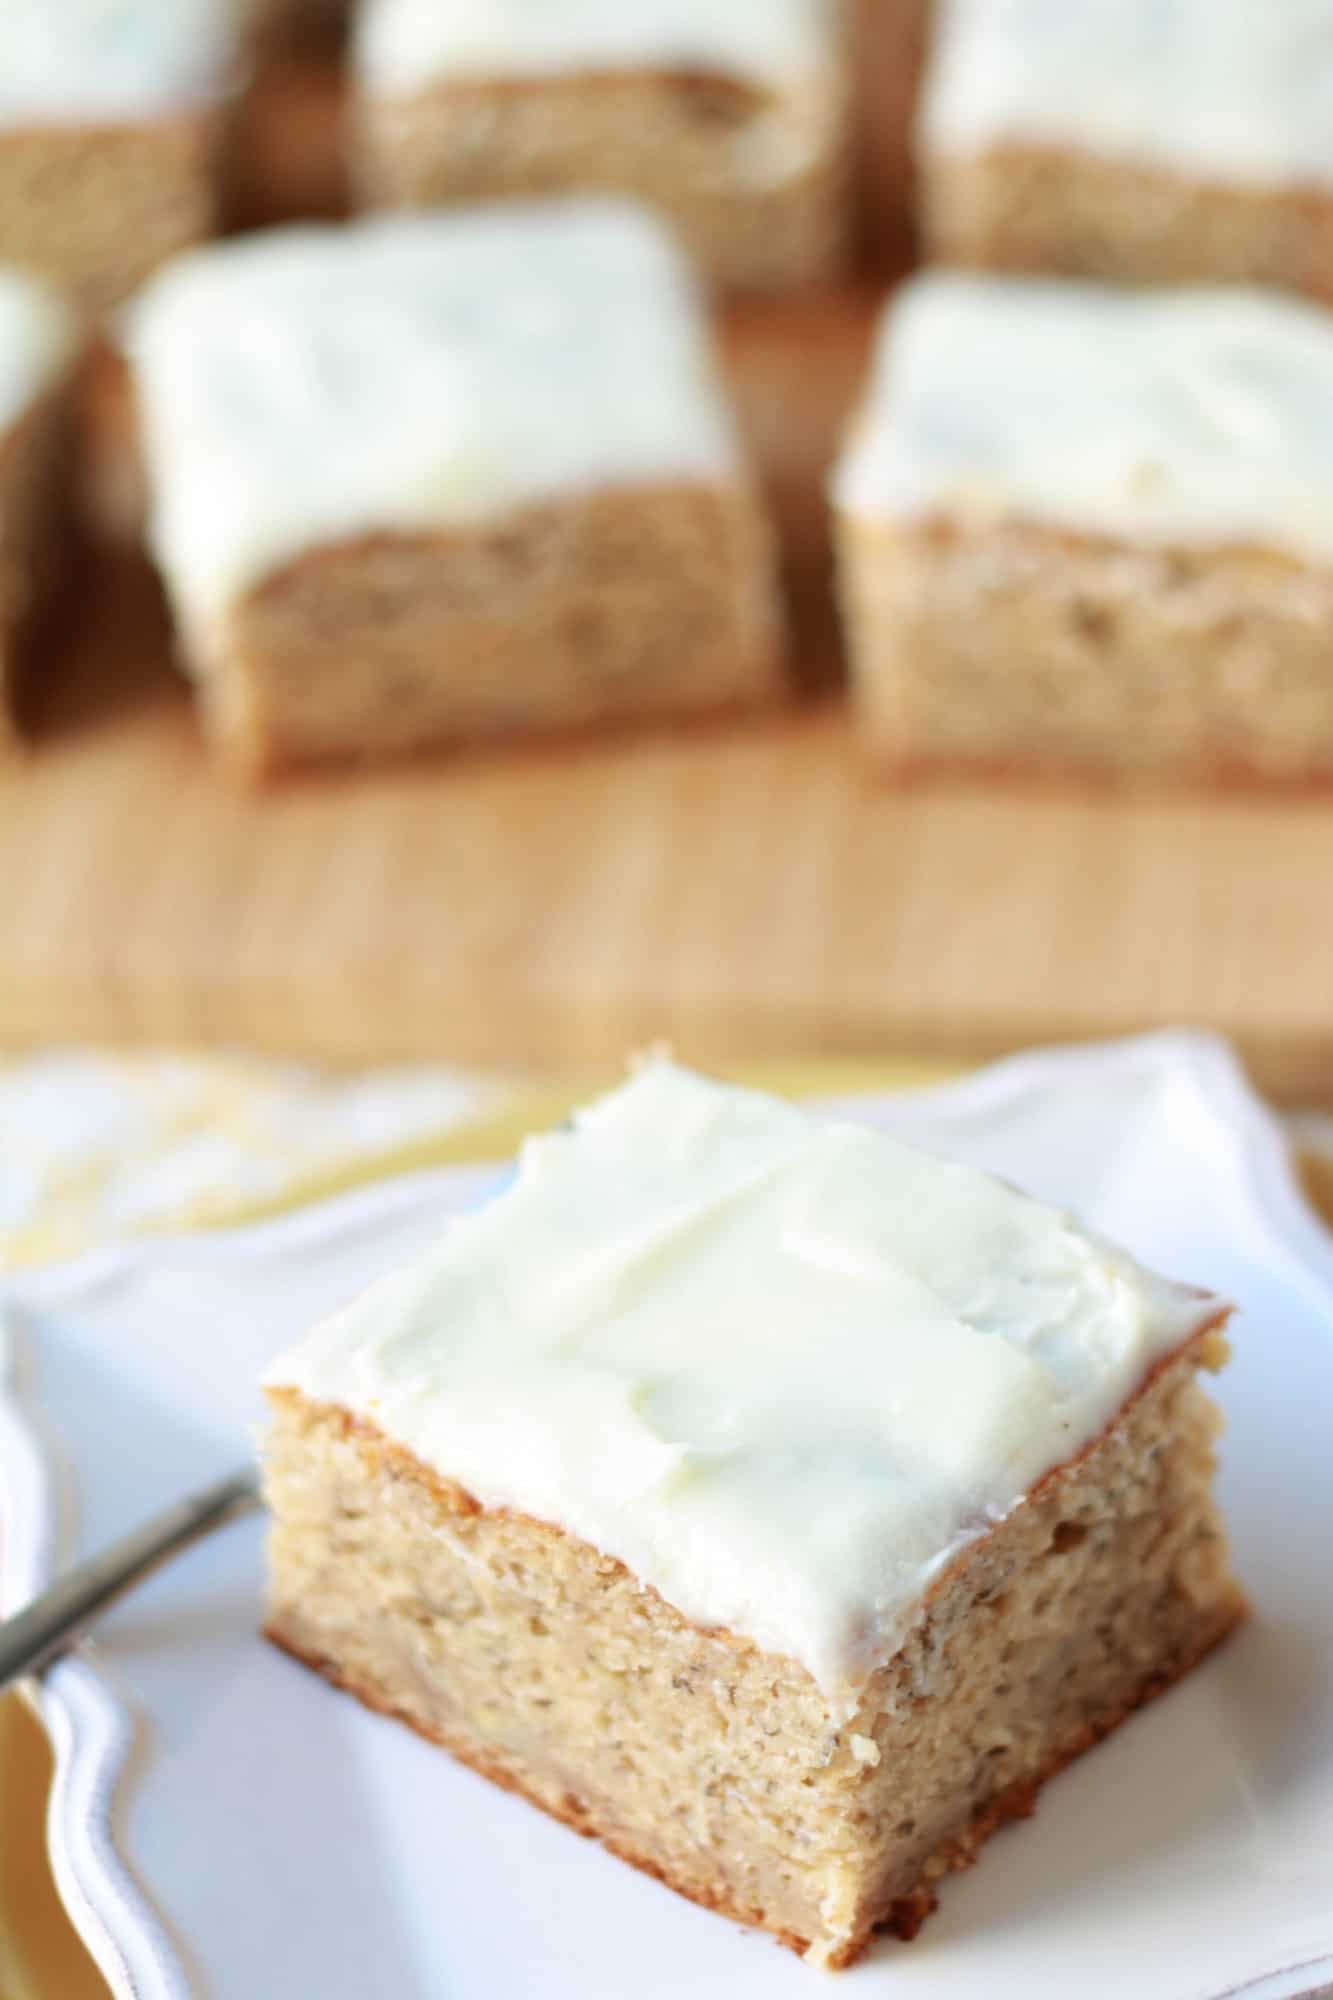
x=224 y=1826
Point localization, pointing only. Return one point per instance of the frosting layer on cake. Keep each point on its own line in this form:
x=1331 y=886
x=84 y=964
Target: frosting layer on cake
x=1233 y=91
x=784 y=1368
x=1203 y=415
x=71 y=61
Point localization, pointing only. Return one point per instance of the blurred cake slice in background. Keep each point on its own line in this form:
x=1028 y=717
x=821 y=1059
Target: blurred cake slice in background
x=112 y=121
x=778 y=1503
x=38 y=348
x=429 y=478
x=1133 y=140
x=1093 y=528
x=731 y=116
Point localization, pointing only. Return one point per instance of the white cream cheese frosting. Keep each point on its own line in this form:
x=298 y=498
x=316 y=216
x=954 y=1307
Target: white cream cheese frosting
x=38 y=333
x=1203 y=415
x=113 y=60
x=783 y=1368
x=404 y=46
x=1234 y=91
x=413 y=372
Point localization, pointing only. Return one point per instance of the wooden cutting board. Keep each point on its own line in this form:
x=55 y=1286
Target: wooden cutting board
x=745 y=890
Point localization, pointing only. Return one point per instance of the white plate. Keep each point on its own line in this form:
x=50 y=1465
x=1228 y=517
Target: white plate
x=226 y=1826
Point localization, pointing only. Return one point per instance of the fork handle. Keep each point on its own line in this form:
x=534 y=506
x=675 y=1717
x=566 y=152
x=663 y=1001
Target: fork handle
x=35 y=1636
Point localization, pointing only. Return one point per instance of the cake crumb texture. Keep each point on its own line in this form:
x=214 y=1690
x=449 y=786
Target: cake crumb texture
x=654 y=604
x=1042 y=208
x=1016 y=646
x=95 y=209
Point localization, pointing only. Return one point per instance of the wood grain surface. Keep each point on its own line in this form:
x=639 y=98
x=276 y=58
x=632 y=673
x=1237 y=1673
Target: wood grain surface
x=745 y=889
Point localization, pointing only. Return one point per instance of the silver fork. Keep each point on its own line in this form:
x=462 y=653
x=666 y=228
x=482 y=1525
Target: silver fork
x=48 y=1626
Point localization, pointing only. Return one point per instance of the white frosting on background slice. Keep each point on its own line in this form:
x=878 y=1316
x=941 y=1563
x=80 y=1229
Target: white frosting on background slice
x=783 y=1368
x=38 y=333
x=1203 y=415
x=71 y=60
x=413 y=372
x=407 y=45
x=1233 y=90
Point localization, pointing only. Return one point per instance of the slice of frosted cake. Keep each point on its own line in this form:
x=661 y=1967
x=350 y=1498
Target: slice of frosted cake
x=775 y=1502
x=1086 y=528
x=430 y=478
x=732 y=119
x=1130 y=140
x=112 y=121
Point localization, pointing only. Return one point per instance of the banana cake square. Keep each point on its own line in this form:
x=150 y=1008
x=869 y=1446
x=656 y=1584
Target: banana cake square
x=1093 y=529
x=733 y=119
x=112 y=116
x=38 y=350
x=424 y=478
x=777 y=1503
x=1147 y=141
